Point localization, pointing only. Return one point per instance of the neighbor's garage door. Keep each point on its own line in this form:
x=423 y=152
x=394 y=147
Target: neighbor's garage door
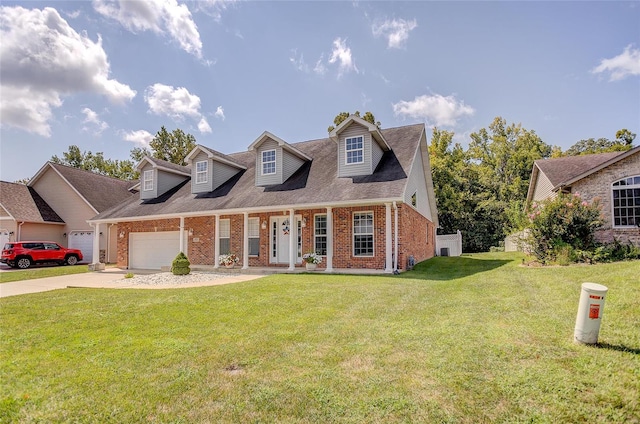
x=153 y=250
x=83 y=241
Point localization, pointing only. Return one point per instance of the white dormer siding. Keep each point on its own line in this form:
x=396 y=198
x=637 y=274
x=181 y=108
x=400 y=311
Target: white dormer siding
x=286 y=164
x=203 y=186
x=372 y=152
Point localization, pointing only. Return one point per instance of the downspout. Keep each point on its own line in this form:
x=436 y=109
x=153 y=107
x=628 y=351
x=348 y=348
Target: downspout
x=395 y=236
x=20 y=231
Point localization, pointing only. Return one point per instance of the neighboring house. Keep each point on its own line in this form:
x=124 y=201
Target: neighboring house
x=362 y=198
x=57 y=203
x=611 y=178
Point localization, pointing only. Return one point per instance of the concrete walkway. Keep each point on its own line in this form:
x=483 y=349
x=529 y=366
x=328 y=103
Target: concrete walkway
x=107 y=279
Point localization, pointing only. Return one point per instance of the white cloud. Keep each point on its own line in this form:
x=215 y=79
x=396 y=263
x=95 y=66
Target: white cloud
x=396 y=31
x=43 y=59
x=341 y=54
x=158 y=16
x=140 y=137
x=625 y=64
x=435 y=109
x=320 y=69
x=214 y=8
x=220 y=113
x=91 y=117
x=176 y=103
x=298 y=61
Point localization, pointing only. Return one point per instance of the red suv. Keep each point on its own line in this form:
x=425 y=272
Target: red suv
x=23 y=254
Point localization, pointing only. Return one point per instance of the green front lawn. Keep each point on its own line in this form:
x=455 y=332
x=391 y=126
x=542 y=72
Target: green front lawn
x=41 y=272
x=473 y=339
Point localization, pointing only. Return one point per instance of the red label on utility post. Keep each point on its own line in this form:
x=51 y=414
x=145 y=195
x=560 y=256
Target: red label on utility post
x=594 y=311
x=591 y=296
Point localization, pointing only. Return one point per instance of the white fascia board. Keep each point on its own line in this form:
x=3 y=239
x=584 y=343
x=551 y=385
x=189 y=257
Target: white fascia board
x=286 y=146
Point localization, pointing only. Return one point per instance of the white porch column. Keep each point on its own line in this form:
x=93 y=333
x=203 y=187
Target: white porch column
x=245 y=238
x=293 y=240
x=388 y=267
x=96 y=265
x=216 y=241
x=329 y=240
x=182 y=234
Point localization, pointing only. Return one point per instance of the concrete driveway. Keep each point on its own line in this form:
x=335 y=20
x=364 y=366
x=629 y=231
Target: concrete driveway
x=111 y=278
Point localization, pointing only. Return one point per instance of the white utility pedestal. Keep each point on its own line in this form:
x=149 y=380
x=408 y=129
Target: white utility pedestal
x=589 y=313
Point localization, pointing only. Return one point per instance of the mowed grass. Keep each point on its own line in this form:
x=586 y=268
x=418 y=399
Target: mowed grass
x=41 y=272
x=474 y=339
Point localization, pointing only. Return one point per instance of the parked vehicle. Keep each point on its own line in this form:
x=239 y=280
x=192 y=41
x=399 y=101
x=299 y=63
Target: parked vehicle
x=23 y=254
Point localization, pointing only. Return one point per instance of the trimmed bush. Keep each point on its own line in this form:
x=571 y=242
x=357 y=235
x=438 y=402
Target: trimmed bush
x=180 y=265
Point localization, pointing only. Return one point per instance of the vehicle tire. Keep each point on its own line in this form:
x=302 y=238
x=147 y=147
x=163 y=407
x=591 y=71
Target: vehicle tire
x=23 y=263
x=72 y=260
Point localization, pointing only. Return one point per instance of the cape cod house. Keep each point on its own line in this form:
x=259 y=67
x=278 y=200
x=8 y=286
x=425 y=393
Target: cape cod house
x=611 y=178
x=362 y=199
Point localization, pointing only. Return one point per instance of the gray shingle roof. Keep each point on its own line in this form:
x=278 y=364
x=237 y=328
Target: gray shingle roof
x=168 y=165
x=24 y=204
x=100 y=191
x=316 y=182
x=562 y=170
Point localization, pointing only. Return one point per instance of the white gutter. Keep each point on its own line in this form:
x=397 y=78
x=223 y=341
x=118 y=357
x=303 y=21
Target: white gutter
x=20 y=231
x=395 y=236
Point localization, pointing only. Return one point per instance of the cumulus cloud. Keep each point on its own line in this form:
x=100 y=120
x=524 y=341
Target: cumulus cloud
x=436 y=109
x=159 y=16
x=140 y=137
x=619 y=67
x=44 y=59
x=220 y=113
x=176 y=103
x=341 y=54
x=396 y=31
x=93 y=120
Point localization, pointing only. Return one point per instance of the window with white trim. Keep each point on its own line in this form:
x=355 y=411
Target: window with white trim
x=354 y=150
x=320 y=234
x=147 y=180
x=268 y=162
x=626 y=202
x=202 y=169
x=225 y=236
x=363 y=234
x=254 y=236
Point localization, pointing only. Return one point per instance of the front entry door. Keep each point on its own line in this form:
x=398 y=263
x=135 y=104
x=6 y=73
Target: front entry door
x=281 y=233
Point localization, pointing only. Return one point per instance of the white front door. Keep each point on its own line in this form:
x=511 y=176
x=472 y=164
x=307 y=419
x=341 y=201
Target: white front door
x=281 y=233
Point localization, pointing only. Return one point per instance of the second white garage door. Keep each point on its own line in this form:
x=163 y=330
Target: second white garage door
x=82 y=240
x=153 y=250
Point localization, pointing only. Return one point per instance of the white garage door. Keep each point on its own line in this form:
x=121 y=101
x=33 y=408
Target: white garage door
x=154 y=250
x=4 y=237
x=83 y=241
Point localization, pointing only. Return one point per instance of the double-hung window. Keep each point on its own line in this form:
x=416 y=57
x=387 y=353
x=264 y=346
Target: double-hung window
x=354 y=149
x=626 y=202
x=254 y=236
x=320 y=234
x=225 y=236
x=363 y=234
x=268 y=162
x=147 y=180
x=201 y=172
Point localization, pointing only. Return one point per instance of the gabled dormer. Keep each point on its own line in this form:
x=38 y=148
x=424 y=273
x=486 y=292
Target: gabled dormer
x=276 y=160
x=210 y=169
x=360 y=146
x=158 y=176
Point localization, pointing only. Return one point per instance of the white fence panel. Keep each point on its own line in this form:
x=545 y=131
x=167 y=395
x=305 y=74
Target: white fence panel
x=449 y=244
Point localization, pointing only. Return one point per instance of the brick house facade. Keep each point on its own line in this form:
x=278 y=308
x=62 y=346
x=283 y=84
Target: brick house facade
x=596 y=177
x=362 y=199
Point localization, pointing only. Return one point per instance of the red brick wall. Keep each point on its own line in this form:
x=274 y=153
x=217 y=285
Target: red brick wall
x=412 y=237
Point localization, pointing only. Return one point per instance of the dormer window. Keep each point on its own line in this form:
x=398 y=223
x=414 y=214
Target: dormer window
x=147 y=180
x=268 y=162
x=201 y=171
x=354 y=149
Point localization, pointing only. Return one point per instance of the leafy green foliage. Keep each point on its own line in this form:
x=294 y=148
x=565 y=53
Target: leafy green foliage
x=181 y=265
x=561 y=226
x=170 y=146
x=96 y=163
x=622 y=143
x=342 y=116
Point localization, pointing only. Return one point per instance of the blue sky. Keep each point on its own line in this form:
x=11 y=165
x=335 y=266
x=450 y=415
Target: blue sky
x=107 y=75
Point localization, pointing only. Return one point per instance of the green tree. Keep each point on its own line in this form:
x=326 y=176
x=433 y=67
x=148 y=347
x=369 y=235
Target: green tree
x=95 y=162
x=622 y=143
x=342 y=116
x=170 y=146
